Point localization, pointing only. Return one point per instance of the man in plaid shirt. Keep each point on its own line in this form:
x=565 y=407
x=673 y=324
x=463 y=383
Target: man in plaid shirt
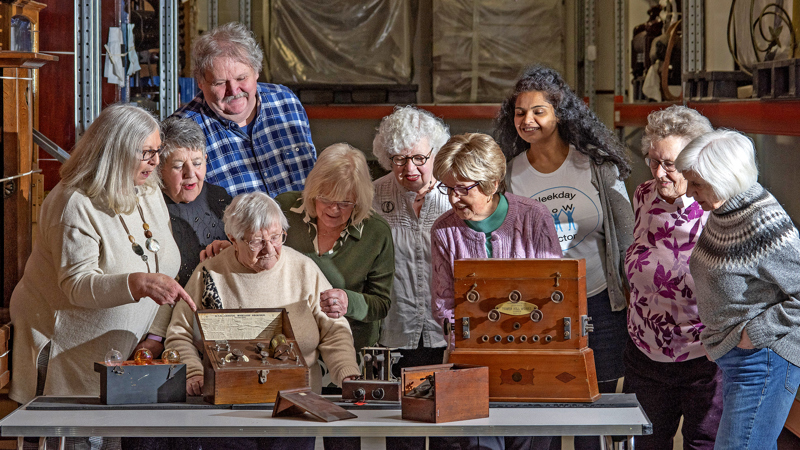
x=257 y=134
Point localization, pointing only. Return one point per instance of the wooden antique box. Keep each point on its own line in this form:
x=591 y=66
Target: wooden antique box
x=445 y=393
x=249 y=355
x=526 y=319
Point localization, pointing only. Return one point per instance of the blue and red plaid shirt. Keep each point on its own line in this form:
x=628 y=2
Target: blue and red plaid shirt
x=275 y=158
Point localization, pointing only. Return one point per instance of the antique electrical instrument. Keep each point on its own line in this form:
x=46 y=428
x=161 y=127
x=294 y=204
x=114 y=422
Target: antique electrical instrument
x=249 y=355
x=526 y=319
x=376 y=381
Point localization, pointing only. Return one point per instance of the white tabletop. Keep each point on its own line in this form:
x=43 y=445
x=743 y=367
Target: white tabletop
x=562 y=419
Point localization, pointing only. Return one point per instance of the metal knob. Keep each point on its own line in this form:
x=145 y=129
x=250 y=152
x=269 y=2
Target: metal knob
x=557 y=296
x=378 y=394
x=515 y=296
x=494 y=315
x=537 y=315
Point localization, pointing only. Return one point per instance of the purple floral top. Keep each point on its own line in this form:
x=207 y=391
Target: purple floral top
x=662 y=318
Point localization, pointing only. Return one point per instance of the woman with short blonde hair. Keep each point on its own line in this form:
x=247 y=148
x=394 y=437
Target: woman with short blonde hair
x=473 y=156
x=341 y=170
x=332 y=222
x=484 y=222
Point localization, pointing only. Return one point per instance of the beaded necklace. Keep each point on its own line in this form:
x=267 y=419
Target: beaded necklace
x=151 y=243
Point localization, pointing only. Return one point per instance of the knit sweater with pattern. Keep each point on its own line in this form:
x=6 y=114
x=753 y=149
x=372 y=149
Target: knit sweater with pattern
x=745 y=267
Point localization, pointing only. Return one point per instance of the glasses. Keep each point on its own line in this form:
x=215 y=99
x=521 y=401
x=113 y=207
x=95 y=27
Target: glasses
x=149 y=154
x=460 y=191
x=668 y=166
x=418 y=160
x=341 y=205
x=276 y=240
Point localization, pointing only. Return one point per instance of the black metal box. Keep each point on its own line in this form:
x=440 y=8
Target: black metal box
x=132 y=384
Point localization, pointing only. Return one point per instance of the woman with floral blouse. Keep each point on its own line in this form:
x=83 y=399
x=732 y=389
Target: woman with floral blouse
x=665 y=362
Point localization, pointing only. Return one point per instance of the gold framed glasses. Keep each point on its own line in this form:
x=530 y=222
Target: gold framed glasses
x=276 y=240
x=669 y=166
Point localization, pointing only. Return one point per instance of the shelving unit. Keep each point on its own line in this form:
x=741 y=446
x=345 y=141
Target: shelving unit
x=359 y=112
x=755 y=116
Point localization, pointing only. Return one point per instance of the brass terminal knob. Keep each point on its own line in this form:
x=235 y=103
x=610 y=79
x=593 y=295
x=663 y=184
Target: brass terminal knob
x=494 y=315
x=557 y=296
x=515 y=296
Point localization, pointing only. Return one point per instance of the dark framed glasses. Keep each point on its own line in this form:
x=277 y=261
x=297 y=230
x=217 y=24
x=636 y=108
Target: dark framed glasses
x=460 y=191
x=418 y=160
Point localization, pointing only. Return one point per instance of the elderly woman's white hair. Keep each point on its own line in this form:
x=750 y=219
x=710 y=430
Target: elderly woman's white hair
x=104 y=160
x=231 y=40
x=725 y=159
x=252 y=212
x=341 y=170
x=403 y=129
x=181 y=132
x=674 y=121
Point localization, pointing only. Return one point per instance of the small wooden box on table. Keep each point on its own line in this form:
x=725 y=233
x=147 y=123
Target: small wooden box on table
x=239 y=362
x=445 y=393
x=526 y=319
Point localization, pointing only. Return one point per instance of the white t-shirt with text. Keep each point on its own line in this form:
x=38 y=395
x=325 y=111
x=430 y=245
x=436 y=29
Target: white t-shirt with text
x=575 y=206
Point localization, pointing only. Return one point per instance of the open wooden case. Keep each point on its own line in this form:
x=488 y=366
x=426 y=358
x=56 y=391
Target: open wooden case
x=445 y=393
x=249 y=355
x=527 y=320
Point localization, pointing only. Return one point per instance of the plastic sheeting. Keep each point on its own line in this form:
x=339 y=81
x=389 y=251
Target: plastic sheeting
x=481 y=46
x=743 y=24
x=341 y=41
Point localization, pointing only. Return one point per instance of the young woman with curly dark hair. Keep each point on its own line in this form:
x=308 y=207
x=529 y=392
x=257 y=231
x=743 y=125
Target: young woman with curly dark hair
x=560 y=154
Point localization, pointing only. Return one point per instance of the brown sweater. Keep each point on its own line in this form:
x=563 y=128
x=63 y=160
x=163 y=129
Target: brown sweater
x=295 y=284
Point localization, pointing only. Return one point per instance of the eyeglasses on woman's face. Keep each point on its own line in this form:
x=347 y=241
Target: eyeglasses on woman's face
x=669 y=166
x=148 y=154
x=460 y=191
x=418 y=160
x=276 y=240
x=344 y=206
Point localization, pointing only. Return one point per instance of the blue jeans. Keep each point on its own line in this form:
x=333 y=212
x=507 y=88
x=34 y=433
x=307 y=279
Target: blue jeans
x=758 y=388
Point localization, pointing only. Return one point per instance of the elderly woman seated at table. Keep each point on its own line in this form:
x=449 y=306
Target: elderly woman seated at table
x=745 y=268
x=485 y=222
x=665 y=363
x=258 y=271
x=195 y=207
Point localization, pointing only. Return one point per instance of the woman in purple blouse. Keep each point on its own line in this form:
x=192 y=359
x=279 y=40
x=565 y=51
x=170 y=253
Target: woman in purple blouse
x=485 y=222
x=665 y=363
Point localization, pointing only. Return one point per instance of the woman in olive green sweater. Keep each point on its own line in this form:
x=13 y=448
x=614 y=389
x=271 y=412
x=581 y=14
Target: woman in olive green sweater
x=332 y=222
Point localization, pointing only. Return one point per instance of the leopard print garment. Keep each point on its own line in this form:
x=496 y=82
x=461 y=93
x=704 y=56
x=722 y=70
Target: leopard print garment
x=211 y=298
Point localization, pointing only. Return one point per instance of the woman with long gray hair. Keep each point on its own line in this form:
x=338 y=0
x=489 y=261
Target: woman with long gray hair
x=104 y=261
